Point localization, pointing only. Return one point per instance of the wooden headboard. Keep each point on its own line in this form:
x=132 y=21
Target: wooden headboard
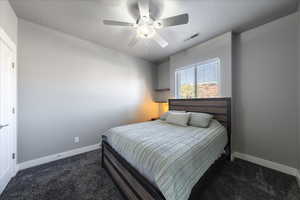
x=220 y=108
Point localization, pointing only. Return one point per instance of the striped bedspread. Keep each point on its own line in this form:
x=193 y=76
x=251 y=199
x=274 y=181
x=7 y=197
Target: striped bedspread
x=172 y=157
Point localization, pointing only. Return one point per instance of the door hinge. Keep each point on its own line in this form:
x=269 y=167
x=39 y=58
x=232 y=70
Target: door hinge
x=13 y=110
x=13 y=156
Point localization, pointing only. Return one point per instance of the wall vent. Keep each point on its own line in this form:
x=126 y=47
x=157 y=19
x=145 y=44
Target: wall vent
x=192 y=37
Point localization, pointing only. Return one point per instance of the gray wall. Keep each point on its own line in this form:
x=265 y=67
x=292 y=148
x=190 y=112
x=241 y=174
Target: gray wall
x=265 y=88
x=219 y=47
x=163 y=82
x=69 y=87
x=299 y=86
x=163 y=71
x=8 y=20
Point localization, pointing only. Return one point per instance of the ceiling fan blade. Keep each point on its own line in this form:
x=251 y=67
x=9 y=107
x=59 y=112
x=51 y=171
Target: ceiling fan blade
x=134 y=40
x=144 y=8
x=116 y=23
x=161 y=41
x=176 y=20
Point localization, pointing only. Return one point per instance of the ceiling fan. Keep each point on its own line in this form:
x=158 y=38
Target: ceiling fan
x=146 y=26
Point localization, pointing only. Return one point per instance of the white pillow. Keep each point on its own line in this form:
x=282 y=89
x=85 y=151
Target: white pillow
x=180 y=119
x=200 y=119
x=165 y=115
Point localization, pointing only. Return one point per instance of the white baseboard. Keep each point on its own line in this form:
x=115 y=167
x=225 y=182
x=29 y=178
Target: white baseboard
x=54 y=157
x=298 y=178
x=269 y=164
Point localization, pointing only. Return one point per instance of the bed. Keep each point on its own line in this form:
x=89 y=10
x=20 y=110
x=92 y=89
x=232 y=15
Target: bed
x=157 y=160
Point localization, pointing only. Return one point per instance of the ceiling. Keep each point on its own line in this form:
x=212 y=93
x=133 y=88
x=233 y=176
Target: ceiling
x=209 y=18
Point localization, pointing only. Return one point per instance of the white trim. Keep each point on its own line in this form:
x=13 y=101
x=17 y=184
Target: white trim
x=7 y=42
x=269 y=164
x=54 y=157
x=6 y=39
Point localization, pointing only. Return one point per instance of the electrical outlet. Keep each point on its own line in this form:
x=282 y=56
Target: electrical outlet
x=76 y=139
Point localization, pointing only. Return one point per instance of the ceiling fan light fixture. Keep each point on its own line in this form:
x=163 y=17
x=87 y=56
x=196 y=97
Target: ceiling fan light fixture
x=145 y=31
x=158 y=24
x=146 y=25
x=145 y=18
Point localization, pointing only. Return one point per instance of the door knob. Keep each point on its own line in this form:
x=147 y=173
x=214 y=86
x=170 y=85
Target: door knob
x=2 y=126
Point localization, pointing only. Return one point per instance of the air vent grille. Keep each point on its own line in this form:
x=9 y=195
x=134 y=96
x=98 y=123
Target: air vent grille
x=192 y=37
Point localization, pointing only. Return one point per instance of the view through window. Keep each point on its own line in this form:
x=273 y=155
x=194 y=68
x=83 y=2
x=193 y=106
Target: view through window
x=199 y=80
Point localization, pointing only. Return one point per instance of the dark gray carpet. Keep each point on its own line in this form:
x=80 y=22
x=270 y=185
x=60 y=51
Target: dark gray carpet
x=82 y=178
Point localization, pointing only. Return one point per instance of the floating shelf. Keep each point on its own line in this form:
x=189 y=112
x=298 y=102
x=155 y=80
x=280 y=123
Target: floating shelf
x=162 y=90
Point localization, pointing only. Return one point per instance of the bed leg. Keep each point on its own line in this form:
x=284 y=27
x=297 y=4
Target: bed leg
x=102 y=150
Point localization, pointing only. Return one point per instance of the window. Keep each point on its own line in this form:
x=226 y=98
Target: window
x=199 y=80
x=186 y=83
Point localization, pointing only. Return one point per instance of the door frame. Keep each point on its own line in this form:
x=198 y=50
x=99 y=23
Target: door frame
x=12 y=46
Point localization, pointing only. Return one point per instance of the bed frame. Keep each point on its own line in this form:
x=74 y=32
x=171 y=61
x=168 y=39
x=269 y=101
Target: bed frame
x=133 y=185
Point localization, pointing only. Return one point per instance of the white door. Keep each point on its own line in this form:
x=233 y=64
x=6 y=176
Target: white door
x=7 y=114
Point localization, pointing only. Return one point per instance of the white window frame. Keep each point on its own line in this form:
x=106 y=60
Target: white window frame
x=195 y=72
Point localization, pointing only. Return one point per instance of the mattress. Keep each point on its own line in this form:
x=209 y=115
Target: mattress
x=172 y=157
